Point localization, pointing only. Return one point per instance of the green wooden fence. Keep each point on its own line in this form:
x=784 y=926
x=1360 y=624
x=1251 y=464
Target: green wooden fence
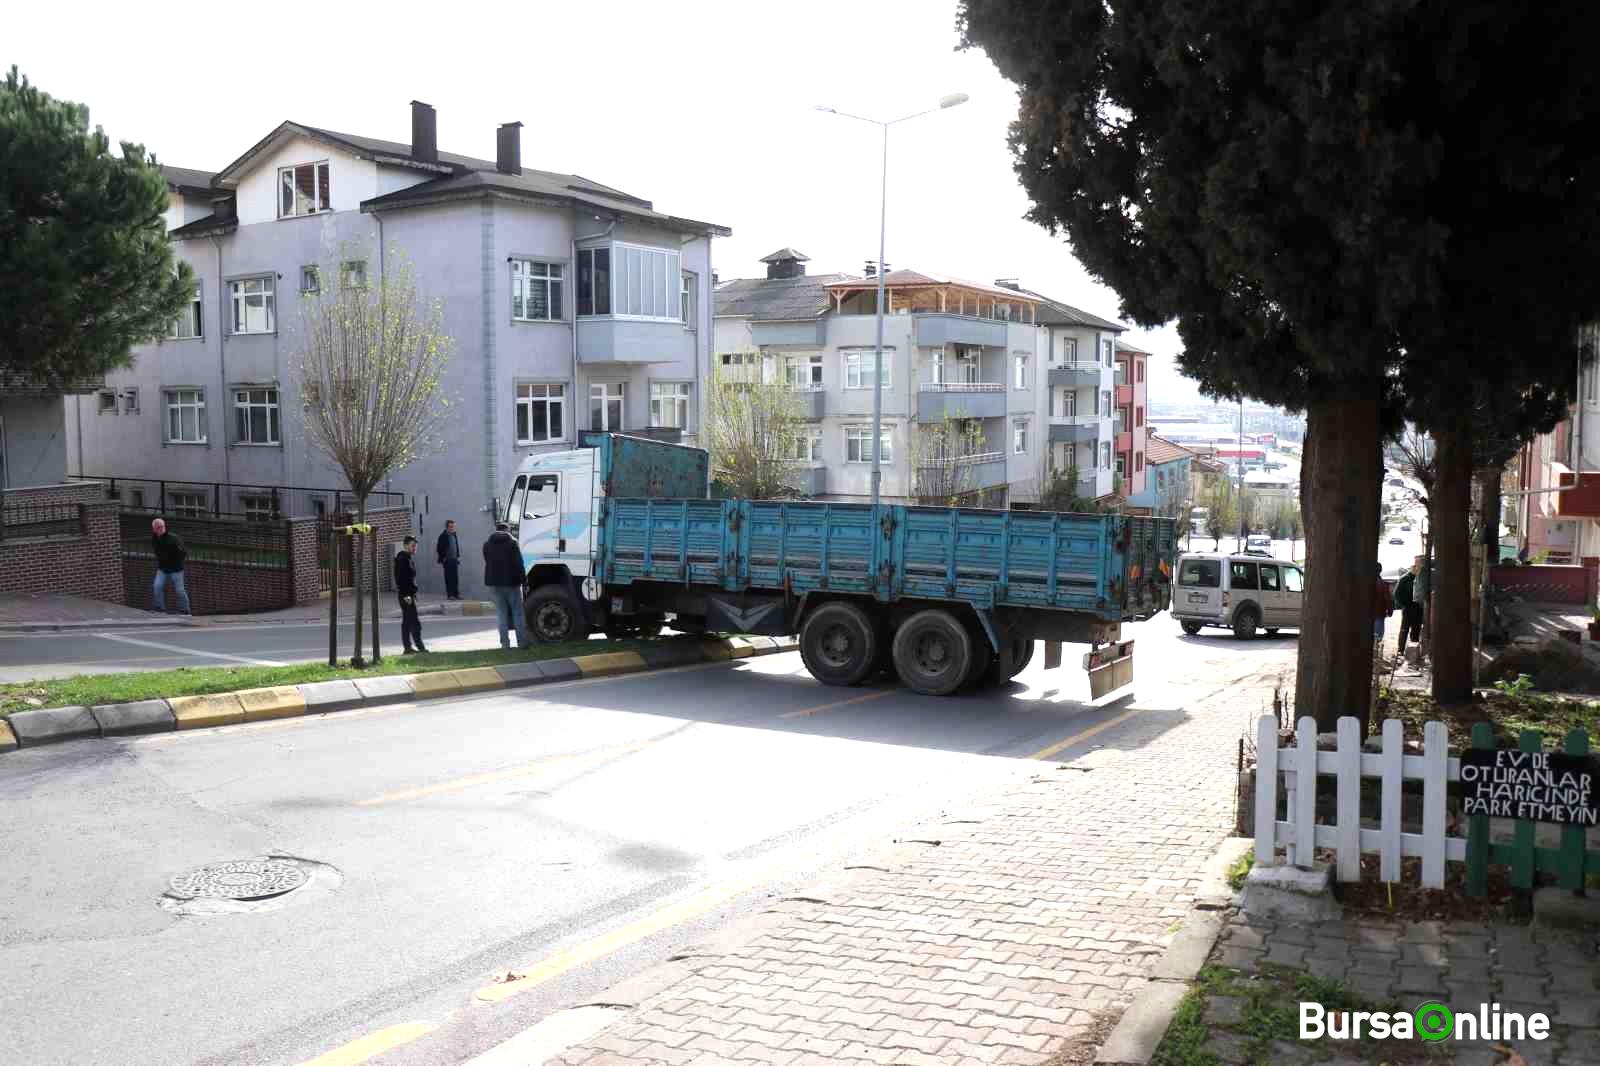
x=1569 y=861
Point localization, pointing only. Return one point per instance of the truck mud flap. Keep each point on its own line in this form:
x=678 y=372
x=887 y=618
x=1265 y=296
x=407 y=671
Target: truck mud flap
x=1110 y=668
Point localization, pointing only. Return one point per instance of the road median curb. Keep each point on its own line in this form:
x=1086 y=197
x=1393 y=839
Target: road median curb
x=34 y=728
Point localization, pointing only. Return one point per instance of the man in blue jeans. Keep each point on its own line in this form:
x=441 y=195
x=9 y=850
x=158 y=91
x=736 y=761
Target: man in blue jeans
x=502 y=572
x=170 y=553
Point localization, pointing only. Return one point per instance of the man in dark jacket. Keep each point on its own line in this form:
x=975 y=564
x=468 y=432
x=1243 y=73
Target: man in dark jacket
x=170 y=554
x=1405 y=598
x=503 y=573
x=405 y=586
x=448 y=551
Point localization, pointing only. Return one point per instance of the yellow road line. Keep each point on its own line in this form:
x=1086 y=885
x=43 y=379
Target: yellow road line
x=684 y=910
x=806 y=712
x=494 y=776
x=373 y=1044
x=1060 y=745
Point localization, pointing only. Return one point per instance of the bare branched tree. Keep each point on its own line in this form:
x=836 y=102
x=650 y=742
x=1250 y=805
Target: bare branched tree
x=755 y=431
x=369 y=363
x=941 y=453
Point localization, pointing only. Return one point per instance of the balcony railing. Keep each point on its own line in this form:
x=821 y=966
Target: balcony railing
x=973 y=457
x=962 y=386
x=1076 y=420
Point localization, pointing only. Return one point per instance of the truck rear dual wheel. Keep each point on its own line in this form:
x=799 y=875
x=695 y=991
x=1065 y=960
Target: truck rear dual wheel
x=933 y=652
x=839 y=644
x=1004 y=667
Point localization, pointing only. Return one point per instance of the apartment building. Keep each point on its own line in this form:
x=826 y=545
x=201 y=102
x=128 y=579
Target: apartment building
x=573 y=305
x=1032 y=377
x=1132 y=429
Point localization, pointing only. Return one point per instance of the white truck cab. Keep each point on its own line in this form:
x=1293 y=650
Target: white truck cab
x=551 y=509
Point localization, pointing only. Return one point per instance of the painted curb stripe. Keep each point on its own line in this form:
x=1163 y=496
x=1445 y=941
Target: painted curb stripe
x=373 y=1044
x=202 y=712
x=608 y=663
x=478 y=679
x=440 y=683
x=279 y=701
x=8 y=739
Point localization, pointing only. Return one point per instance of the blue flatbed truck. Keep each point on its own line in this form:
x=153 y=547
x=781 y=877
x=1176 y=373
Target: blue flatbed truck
x=622 y=535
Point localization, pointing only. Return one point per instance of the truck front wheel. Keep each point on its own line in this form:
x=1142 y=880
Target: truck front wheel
x=553 y=616
x=932 y=652
x=839 y=644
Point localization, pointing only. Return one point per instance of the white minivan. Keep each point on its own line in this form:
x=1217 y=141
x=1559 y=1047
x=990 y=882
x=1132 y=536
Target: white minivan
x=1239 y=592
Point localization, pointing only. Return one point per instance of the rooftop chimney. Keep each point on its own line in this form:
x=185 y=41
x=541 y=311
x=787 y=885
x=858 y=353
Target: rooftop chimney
x=786 y=263
x=424 y=133
x=870 y=268
x=1009 y=283
x=508 y=149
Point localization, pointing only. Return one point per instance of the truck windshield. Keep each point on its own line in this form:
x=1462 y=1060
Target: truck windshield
x=1200 y=573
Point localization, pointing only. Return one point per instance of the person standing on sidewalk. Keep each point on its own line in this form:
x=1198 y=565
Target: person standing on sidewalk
x=405 y=586
x=448 y=549
x=502 y=572
x=170 y=554
x=1405 y=598
x=1382 y=603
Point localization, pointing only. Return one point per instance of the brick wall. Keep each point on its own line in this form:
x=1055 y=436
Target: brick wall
x=87 y=563
x=214 y=588
x=391 y=524
x=70 y=492
x=305 y=568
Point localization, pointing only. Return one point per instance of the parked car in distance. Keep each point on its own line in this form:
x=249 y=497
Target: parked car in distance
x=1258 y=542
x=1405 y=529
x=1397 y=540
x=1242 y=592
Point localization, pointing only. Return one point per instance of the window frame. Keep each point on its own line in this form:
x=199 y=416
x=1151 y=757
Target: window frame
x=809 y=365
x=860 y=435
x=130 y=400
x=194 y=316
x=238 y=297
x=859 y=357
x=605 y=398
x=187 y=509
x=197 y=403
x=250 y=507
x=353 y=268
x=625 y=300
x=273 y=413
x=1019 y=371
x=310 y=280
x=1238 y=567
x=1019 y=437
x=681 y=401
x=689 y=298
x=107 y=402
x=322 y=188
x=811 y=437
x=553 y=281
x=1298 y=584
x=550 y=398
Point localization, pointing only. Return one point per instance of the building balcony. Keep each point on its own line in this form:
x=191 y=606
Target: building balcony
x=988 y=469
x=1074 y=428
x=1075 y=375
x=1582 y=501
x=1124 y=395
x=1124 y=443
x=965 y=399
x=813 y=400
x=623 y=340
x=811 y=479
x=802 y=334
x=936 y=328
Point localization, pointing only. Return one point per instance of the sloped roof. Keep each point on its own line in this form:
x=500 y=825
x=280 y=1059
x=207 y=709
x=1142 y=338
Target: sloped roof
x=784 y=255
x=1159 y=449
x=184 y=179
x=775 y=299
x=1124 y=346
x=205 y=227
x=913 y=278
x=1053 y=313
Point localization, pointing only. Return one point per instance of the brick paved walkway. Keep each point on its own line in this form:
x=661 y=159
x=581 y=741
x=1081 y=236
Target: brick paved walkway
x=1523 y=969
x=1026 y=921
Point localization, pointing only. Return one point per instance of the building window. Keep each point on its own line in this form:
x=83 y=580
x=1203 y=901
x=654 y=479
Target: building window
x=1106 y=349
x=136 y=499
x=594 y=281
x=253 y=305
x=258 y=508
x=630 y=280
x=690 y=298
x=1104 y=410
x=188 y=504
x=535 y=291
x=806 y=446
x=303 y=189
x=803 y=371
x=541 y=414
x=1105 y=455
x=1069 y=350
x=1138 y=417
x=858 y=367
x=1020 y=371
x=605 y=406
x=353 y=274
x=1122 y=465
x=130 y=401
x=858 y=445
x=255 y=413
x=108 y=403
x=1138 y=461
x=310 y=282
x=186 y=416
x=1069 y=403
x=669 y=404
x=1139 y=370
x=1122 y=419
x=749 y=367
x=1019 y=437
x=188 y=325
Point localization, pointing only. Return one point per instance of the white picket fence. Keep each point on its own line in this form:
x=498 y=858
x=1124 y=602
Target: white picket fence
x=1302 y=762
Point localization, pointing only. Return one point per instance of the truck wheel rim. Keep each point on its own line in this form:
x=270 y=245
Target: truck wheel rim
x=551 y=620
x=837 y=647
x=932 y=653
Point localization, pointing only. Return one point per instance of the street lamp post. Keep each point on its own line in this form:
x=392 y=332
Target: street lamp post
x=883 y=224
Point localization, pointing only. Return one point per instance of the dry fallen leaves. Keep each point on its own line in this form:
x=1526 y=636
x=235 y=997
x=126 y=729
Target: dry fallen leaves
x=1513 y=1056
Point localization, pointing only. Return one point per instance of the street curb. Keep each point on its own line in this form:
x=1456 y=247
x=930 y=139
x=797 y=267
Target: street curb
x=166 y=622
x=1137 y=1034
x=49 y=725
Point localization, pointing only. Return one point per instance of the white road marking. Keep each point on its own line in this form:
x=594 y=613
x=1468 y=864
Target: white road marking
x=180 y=650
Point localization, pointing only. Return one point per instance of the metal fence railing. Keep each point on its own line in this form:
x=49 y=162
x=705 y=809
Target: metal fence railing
x=22 y=519
x=226 y=499
x=226 y=540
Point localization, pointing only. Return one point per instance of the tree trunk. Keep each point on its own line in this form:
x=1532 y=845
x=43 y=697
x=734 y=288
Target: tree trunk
x=357 y=542
x=1452 y=596
x=1489 y=511
x=1340 y=482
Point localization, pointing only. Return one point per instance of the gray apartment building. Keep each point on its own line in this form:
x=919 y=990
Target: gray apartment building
x=1026 y=369
x=573 y=306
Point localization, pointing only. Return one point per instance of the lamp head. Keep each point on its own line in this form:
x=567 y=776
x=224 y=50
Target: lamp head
x=953 y=100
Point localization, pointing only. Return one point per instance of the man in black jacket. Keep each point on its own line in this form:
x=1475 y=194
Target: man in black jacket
x=405 y=585
x=448 y=551
x=502 y=572
x=170 y=554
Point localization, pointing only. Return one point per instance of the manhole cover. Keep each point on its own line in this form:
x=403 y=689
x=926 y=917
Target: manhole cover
x=246 y=879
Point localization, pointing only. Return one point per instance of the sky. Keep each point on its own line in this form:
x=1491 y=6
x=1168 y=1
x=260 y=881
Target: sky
x=706 y=108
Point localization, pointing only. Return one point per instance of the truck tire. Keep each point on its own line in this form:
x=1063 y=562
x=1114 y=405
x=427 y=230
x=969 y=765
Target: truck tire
x=932 y=652
x=1190 y=628
x=983 y=669
x=1021 y=656
x=553 y=616
x=1245 y=620
x=839 y=644
x=1008 y=664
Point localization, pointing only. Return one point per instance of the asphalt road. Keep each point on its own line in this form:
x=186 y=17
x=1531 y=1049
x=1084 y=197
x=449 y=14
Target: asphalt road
x=476 y=835
x=36 y=656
